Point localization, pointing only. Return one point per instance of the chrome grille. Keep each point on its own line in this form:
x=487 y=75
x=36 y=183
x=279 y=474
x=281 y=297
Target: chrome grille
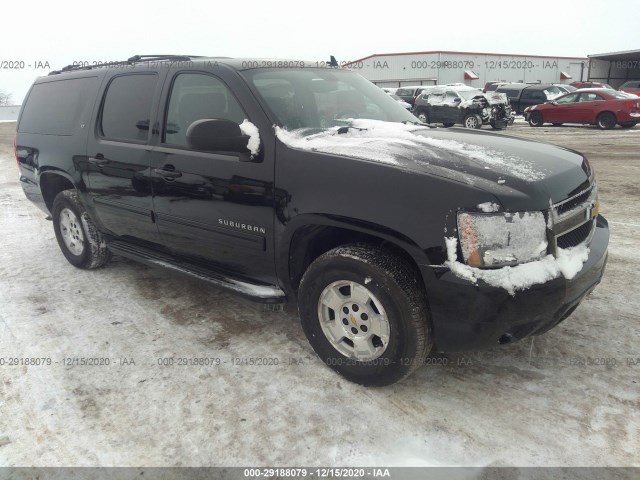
x=576 y=236
x=571 y=203
x=571 y=220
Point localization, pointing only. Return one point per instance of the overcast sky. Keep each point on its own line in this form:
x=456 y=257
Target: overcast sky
x=65 y=31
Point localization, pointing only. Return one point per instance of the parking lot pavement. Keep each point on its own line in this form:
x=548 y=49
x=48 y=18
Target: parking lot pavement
x=569 y=397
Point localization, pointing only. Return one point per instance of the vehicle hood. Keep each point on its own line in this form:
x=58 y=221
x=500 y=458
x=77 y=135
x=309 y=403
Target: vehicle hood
x=520 y=173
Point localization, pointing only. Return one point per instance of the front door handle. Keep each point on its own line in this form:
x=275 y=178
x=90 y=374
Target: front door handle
x=167 y=172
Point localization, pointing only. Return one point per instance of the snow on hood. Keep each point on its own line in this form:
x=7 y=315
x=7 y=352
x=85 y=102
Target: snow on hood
x=250 y=129
x=520 y=277
x=384 y=142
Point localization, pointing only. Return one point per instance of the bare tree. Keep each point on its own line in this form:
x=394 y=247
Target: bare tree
x=5 y=98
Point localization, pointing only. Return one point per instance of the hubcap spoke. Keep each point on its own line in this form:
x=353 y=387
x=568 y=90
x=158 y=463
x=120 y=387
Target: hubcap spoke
x=359 y=294
x=332 y=298
x=363 y=348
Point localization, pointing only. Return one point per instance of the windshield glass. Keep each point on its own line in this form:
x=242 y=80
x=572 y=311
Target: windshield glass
x=321 y=98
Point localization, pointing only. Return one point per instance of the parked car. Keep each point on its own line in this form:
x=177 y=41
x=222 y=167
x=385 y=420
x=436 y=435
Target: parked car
x=312 y=186
x=401 y=101
x=491 y=86
x=565 y=87
x=632 y=86
x=523 y=95
x=597 y=106
x=389 y=90
x=591 y=85
x=409 y=94
x=464 y=105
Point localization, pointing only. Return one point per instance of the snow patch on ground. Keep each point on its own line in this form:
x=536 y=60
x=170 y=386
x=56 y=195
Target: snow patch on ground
x=520 y=277
x=250 y=129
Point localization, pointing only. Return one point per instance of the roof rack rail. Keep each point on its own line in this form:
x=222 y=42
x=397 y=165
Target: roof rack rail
x=129 y=61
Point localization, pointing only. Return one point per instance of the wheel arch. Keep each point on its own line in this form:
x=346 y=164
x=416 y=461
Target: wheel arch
x=318 y=234
x=52 y=183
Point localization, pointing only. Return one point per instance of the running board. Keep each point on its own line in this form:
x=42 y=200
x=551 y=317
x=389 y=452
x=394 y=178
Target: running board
x=252 y=291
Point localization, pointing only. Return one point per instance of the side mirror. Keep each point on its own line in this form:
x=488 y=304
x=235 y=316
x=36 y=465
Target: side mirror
x=457 y=100
x=216 y=134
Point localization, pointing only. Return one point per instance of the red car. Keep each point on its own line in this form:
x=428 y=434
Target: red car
x=632 y=86
x=596 y=106
x=591 y=85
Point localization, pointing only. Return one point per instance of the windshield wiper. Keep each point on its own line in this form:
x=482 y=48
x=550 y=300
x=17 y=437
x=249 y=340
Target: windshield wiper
x=345 y=129
x=420 y=124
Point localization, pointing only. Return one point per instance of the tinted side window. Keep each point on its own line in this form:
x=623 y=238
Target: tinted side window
x=58 y=108
x=127 y=107
x=533 y=95
x=510 y=93
x=195 y=96
x=568 y=98
x=590 y=97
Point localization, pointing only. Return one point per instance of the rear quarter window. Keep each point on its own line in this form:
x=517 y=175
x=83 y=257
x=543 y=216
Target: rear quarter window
x=58 y=107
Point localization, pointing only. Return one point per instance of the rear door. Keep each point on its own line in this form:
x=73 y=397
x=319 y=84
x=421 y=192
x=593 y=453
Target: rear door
x=214 y=208
x=119 y=155
x=588 y=106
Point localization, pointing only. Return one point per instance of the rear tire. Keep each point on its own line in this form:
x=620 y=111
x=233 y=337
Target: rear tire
x=535 y=119
x=472 y=121
x=364 y=312
x=606 y=121
x=79 y=239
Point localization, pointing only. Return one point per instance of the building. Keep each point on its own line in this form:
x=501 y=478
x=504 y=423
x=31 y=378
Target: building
x=471 y=68
x=615 y=68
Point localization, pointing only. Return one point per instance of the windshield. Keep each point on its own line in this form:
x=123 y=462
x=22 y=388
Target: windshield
x=321 y=98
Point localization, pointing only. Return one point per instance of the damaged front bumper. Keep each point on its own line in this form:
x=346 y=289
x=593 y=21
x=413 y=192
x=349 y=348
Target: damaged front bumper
x=471 y=317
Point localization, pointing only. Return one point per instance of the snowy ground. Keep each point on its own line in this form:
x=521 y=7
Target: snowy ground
x=569 y=397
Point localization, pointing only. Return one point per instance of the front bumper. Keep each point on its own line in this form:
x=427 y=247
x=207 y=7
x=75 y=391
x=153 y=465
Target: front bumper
x=470 y=317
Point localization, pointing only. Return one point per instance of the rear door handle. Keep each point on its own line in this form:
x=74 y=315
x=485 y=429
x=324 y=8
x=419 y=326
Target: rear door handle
x=168 y=172
x=98 y=160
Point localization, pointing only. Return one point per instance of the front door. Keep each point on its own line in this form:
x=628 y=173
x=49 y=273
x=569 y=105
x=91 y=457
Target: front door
x=213 y=208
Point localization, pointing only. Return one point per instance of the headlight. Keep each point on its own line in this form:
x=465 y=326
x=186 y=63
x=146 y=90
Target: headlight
x=501 y=239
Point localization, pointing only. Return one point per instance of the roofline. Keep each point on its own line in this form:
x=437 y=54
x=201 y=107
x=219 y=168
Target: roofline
x=624 y=52
x=465 y=53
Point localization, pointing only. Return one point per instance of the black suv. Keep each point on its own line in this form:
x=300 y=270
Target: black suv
x=286 y=183
x=464 y=105
x=523 y=95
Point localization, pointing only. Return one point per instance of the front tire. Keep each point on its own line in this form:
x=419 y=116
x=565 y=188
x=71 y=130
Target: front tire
x=364 y=312
x=535 y=119
x=606 y=121
x=422 y=116
x=472 y=121
x=79 y=239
